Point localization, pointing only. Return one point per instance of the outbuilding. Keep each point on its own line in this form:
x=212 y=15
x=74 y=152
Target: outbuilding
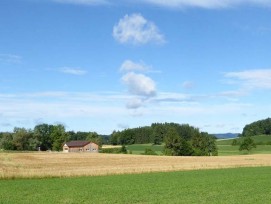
x=80 y=146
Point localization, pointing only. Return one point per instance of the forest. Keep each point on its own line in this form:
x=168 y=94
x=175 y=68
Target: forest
x=178 y=139
x=260 y=127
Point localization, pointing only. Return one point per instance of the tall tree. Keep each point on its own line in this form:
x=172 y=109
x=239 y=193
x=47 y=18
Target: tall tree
x=21 y=138
x=43 y=133
x=58 y=137
x=6 y=142
x=158 y=134
x=175 y=145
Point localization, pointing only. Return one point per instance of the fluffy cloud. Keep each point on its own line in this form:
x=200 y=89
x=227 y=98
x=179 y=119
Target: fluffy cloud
x=73 y=71
x=139 y=84
x=129 y=65
x=209 y=4
x=136 y=29
x=252 y=79
x=82 y=2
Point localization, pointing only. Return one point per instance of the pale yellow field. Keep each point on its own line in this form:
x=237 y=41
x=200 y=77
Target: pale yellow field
x=28 y=165
x=111 y=146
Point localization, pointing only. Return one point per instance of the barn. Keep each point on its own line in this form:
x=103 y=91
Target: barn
x=80 y=146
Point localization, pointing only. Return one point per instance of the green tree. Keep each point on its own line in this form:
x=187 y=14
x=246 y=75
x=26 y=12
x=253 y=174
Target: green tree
x=175 y=145
x=158 y=134
x=123 y=149
x=234 y=142
x=21 y=138
x=58 y=137
x=94 y=137
x=43 y=133
x=6 y=142
x=204 y=144
x=247 y=144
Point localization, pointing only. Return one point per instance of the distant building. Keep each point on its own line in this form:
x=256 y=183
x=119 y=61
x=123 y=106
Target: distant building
x=80 y=146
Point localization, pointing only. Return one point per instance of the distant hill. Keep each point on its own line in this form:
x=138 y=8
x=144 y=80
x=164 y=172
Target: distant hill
x=226 y=135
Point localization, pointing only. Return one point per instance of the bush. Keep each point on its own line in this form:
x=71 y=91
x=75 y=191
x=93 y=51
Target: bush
x=119 y=150
x=234 y=142
x=149 y=151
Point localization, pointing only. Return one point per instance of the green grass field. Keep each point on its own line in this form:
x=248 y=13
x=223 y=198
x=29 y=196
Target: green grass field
x=224 y=147
x=240 y=185
x=258 y=139
x=140 y=148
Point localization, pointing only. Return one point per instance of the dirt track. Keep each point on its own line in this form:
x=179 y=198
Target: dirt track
x=28 y=165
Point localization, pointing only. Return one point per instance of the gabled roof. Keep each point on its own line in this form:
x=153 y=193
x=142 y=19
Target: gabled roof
x=77 y=143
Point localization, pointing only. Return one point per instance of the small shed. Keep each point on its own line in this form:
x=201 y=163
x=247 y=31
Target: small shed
x=80 y=146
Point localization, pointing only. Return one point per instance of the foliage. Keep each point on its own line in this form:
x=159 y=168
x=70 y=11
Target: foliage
x=261 y=127
x=149 y=151
x=247 y=144
x=117 y=150
x=44 y=137
x=234 y=142
x=238 y=185
x=154 y=134
x=175 y=145
x=179 y=139
x=201 y=144
x=158 y=134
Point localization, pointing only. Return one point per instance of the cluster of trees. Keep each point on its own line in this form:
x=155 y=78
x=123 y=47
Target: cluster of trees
x=179 y=139
x=43 y=137
x=260 y=127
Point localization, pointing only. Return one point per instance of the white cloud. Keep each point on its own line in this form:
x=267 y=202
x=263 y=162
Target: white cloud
x=129 y=65
x=252 y=79
x=82 y=2
x=209 y=4
x=10 y=59
x=139 y=84
x=60 y=105
x=135 y=103
x=136 y=29
x=168 y=97
x=74 y=71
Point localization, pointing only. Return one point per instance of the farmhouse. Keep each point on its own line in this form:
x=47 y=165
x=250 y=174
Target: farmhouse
x=80 y=146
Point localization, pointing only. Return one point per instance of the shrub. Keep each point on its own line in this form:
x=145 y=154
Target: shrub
x=149 y=151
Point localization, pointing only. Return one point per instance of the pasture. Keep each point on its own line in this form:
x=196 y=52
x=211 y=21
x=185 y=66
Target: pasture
x=225 y=147
x=239 y=185
x=45 y=164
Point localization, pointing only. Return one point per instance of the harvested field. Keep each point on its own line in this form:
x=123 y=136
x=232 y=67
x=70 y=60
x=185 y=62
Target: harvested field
x=39 y=165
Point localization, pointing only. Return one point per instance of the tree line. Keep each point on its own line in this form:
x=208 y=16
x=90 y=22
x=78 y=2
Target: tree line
x=178 y=139
x=43 y=137
x=260 y=127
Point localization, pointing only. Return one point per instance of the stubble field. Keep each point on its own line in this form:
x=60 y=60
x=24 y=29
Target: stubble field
x=44 y=165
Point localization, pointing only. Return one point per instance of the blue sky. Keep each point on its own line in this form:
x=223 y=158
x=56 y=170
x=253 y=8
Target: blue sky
x=104 y=65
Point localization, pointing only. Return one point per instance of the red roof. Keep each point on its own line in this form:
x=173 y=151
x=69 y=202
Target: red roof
x=77 y=143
